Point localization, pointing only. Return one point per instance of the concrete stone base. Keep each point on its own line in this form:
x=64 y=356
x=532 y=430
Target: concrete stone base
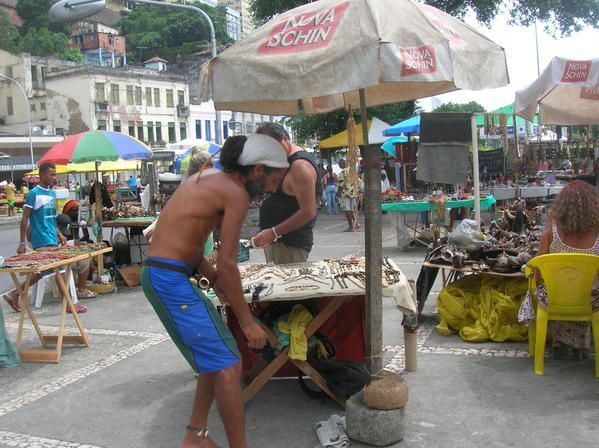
x=373 y=426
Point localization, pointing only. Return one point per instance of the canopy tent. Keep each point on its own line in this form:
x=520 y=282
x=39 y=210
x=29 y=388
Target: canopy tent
x=389 y=145
x=509 y=110
x=567 y=92
x=375 y=135
x=409 y=126
x=90 y=167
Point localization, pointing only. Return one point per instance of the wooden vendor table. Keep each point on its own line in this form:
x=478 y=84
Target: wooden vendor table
x=445 y=269
x=128 y=224
x=403 y=208
x=46 y=354
x=328 y=283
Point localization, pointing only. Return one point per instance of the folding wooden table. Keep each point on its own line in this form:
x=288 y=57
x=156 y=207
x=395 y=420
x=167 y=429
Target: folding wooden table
x=330 y=285
x=45 y=353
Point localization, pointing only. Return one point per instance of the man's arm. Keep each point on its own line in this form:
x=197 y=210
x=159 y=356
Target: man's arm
x=23 y=230
x=229 y=281
x=303 y=186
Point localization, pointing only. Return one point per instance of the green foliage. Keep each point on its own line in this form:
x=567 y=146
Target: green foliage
x=306 y=127
x=157 y=26
x=72 y=54
x=9 y=35
x=44 y=42
x=560 y=17
x=34 y=14
x=472 y=106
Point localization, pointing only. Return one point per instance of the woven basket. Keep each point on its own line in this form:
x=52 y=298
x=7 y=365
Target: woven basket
x=391 y=392
x=102 y=288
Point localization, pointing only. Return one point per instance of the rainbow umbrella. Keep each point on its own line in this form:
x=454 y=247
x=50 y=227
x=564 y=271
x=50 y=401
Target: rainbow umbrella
x=206 y=146
x=95 y=146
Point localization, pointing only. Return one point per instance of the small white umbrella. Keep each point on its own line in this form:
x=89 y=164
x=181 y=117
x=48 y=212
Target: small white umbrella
x=567 y=92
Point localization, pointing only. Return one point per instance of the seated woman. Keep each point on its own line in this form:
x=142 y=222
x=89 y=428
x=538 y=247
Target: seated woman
x=573 y=228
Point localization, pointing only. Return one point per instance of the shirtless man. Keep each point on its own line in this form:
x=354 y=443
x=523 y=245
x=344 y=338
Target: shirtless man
x=288 y=215
x=202 y=202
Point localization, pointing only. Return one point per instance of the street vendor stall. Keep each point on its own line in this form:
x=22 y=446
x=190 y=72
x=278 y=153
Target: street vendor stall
x=60 y=261
x=134 y=228
x=404 y=208
x=335 y=290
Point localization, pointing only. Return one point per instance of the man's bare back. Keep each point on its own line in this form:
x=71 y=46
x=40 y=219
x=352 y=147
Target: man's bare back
x=196 y=208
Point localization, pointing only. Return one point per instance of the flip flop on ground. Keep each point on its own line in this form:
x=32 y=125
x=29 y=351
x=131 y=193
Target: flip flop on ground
x=14 y=303
x=86 y=294
x=79 y=308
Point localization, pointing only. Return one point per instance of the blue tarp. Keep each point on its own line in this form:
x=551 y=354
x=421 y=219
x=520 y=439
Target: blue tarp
x=409 y=126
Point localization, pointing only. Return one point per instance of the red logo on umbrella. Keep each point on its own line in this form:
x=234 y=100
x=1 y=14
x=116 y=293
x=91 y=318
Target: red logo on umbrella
x=305 y=31
x=591 y=93
x=416 y=61
x=576 y=71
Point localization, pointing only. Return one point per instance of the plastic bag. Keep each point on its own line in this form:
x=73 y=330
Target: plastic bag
x=467 y=236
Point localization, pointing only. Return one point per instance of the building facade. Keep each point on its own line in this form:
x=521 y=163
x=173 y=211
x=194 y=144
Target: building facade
x=243 y=8
x=100 y=44
x=149 y=105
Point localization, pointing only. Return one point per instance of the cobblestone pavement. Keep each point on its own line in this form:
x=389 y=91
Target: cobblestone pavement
x=131 y=388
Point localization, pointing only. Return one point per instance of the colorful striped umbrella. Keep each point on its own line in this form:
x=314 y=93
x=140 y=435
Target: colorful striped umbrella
x=94 y=146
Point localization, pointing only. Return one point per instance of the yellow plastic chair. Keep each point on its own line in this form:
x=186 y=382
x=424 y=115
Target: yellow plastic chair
x=569 y=279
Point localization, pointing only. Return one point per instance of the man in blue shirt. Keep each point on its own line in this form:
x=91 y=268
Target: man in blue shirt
x=40 y=213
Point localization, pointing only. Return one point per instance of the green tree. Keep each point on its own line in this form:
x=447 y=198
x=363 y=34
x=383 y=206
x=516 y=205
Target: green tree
x=472 y=106
x=9 y=35
x=323 y=126
x=559 y=16
x=34 y=14
x=44 y=42
x=158 y=26
x=72 y=54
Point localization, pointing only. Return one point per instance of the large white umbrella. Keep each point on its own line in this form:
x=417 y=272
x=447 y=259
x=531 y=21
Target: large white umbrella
x=567 y=92
x=330 y=54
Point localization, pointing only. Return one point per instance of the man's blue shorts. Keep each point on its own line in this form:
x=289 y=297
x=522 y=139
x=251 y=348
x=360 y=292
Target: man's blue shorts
x=192 y=321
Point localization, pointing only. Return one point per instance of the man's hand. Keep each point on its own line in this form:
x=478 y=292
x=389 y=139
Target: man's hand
x=61 y=239
x=265 y=238
x=22 y=249
x=254 y=334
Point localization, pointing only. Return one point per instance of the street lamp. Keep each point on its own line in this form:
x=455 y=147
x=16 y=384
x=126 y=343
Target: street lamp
x=28 y=116
x=69 y=10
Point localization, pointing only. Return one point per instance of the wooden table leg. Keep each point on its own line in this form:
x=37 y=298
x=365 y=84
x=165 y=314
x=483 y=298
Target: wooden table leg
x=68 y=303
x=23 y=291
x=269 y=370
x=319 y=380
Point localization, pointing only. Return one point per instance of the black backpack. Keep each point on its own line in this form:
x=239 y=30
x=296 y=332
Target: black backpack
x=344 y=378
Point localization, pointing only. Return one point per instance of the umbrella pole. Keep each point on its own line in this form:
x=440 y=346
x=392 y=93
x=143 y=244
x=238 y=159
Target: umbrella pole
x=475 y=171
x=98 y=195
x=374 y=250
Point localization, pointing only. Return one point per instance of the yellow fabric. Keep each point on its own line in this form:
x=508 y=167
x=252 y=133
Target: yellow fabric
x=10 y=192
x=483 y=307
x=295 y=326
x=340 y=140
x=90 y=167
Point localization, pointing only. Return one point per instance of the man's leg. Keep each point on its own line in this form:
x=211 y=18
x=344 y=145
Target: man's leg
x=230 y=405
x=199 y=415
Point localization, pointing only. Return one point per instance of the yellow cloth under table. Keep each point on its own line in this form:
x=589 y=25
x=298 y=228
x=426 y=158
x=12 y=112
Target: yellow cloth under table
x=482 y=308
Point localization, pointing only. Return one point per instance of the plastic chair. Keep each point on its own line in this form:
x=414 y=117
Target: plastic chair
x=569 y=279
x=39 y=288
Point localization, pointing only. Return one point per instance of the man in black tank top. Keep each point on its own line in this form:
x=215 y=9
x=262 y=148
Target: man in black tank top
x=288 y=216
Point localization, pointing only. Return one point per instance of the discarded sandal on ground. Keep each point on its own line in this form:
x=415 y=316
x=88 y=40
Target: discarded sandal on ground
x=86 y=294
x=79 y=308
x=14 y=303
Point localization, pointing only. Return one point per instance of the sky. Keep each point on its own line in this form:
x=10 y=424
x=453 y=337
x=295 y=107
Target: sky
x=519 y=45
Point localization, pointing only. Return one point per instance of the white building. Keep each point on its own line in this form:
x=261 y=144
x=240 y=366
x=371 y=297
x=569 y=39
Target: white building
x=143 y=103
x=203 y=122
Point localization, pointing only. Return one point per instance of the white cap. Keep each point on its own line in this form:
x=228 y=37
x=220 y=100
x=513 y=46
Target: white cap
x=262 y=149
